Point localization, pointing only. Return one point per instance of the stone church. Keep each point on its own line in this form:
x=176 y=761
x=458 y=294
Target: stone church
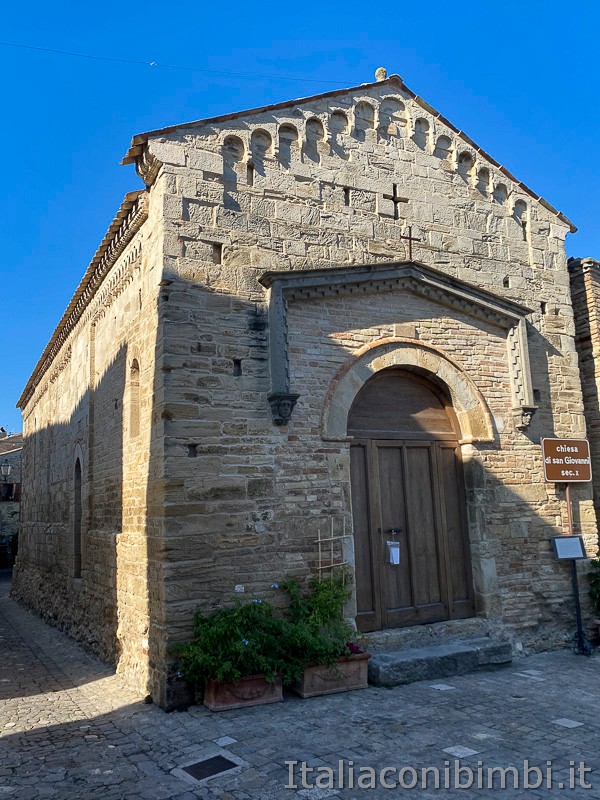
x=327 y=331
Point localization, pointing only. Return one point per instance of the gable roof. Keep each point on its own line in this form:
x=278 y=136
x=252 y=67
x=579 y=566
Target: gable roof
x=140 y=139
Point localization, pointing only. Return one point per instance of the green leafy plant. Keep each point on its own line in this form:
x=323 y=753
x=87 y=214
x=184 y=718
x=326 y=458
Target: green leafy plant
x=233 y=643
x=594 y=578
x=317 y=632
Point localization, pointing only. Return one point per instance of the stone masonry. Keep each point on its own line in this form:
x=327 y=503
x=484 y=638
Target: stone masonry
x=585 y=291
x=11 y=449
x=279 y=257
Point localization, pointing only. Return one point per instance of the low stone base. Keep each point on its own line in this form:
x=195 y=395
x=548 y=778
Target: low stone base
x=437 y=661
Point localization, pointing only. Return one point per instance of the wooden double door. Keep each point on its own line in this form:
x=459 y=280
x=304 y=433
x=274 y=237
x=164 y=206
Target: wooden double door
x=411 y=545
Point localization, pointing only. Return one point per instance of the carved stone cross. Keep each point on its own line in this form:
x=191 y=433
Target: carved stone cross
x=410 y=239
x=396 y=200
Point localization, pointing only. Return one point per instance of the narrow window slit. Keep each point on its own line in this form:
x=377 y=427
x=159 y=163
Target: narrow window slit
x=217 y=253
x=237 y=367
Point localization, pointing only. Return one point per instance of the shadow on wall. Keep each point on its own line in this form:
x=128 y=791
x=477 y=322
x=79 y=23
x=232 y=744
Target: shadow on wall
x=72 y=516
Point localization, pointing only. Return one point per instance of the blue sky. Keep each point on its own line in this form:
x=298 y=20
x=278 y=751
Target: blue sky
x=521 y=78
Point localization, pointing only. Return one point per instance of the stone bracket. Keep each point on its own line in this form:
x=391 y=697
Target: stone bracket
x=522 y=416
x=282 y=405
x=411 y=276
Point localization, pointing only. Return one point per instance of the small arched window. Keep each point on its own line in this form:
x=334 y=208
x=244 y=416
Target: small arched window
x=134 y=398
x=77 y=513
x=233 y=157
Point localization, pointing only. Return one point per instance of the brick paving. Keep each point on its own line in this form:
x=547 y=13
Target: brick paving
x=70 y=729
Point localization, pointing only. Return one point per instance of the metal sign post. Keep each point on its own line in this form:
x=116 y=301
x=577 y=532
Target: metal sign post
x=568 y=461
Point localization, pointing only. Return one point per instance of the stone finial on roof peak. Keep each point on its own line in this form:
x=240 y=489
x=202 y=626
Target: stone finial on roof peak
x=380 y=74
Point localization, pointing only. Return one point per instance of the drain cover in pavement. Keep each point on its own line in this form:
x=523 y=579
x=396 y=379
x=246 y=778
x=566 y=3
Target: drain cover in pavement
x=209 y=767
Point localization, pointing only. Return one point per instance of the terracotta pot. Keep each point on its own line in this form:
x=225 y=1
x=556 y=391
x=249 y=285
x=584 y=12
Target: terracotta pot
x=347 y=674
x=253 y=690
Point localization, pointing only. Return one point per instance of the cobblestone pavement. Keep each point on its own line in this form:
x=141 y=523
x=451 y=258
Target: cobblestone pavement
x=70 y=729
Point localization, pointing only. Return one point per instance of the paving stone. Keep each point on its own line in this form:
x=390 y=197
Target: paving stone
x=136 y=745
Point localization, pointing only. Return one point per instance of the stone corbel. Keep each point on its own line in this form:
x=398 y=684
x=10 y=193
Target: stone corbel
x=282 y=405
x=147 y=166
x=522 y=416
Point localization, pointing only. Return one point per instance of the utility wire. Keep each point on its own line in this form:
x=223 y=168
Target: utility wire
x=168 y=66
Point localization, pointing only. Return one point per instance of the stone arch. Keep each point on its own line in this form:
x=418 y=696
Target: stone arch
x=364 y=120
x=520 y=217
x=473 y=415
x=500 y=194
x=422 y=133
x=483 y=180
x=392 y=118
x=315 y=134
x=466 y=162
x=261 y=146
x=443 y=148
x=234 y=151
x=288 y=145
x=338 y=128
x=520 y=210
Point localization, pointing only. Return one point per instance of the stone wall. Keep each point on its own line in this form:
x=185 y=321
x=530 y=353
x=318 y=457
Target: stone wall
x=11 y=448
x=585 y=290
x=95 y=405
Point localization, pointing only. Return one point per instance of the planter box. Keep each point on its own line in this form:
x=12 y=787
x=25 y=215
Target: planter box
x=251 y=691
x=346 y=674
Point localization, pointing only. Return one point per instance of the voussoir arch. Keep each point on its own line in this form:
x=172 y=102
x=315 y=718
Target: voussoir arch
x=473 y=415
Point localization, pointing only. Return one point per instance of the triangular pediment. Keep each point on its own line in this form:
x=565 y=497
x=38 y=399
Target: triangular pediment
x=392 y=88
x=411 y=276
x=403 y=276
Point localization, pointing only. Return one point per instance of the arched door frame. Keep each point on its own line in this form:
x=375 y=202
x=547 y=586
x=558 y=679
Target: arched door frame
x=476 y=428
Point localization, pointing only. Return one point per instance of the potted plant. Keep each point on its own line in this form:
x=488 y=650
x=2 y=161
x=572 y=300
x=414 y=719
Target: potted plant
x=239 y=655
x=321 y=653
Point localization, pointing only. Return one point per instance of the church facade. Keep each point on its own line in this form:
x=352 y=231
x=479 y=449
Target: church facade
x=329 y=331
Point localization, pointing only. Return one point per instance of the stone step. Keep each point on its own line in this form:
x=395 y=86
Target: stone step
x=436 y=633
x=438 y=661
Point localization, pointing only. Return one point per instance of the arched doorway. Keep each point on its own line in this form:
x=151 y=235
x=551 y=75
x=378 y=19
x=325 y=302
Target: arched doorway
x=408 y=504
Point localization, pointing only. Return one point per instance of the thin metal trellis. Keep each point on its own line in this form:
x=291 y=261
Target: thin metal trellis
x=326 y=545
